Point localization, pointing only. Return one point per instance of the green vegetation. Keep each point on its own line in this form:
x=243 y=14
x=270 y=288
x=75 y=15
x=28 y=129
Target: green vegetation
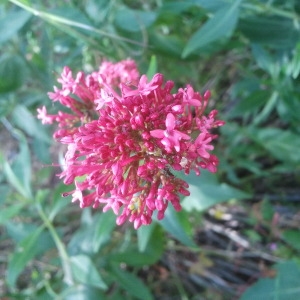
x=238 y=234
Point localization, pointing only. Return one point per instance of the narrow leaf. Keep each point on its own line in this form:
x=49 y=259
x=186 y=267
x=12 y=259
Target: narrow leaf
x=104 y=226
x=12 y=72
x=144 y=234
x=206 y=192
x=132 y=284
x=9 y=212
x=152 y=253
x=292 y=237
x=277 y=32
x=82 y=292
x=85 y=271
x=31 y=126
x=11 y=23
x=91 y=237
x=134 y=20
x=177 y=7
x=221 y=25
x=14 y=180
x=19 y=173
x=285 y=286
x=152 y=69
x=284 y=145
x=172 y=225
x=25 y=252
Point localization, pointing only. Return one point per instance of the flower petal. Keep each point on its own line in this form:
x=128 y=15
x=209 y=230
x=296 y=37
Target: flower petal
x=170 y=122
x=157 y=133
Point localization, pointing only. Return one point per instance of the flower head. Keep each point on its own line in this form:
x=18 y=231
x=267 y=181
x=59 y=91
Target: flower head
x=124 y=140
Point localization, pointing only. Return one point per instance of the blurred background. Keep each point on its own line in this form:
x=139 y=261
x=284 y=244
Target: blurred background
x=238 y=234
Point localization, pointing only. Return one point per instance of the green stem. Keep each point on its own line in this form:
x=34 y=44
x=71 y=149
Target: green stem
x=68 y=278
x=49 y=290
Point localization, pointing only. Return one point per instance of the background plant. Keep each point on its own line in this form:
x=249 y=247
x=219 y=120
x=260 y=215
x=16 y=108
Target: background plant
x=248 y=54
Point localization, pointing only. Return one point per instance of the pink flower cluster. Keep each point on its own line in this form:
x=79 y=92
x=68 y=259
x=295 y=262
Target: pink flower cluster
x=126 y=134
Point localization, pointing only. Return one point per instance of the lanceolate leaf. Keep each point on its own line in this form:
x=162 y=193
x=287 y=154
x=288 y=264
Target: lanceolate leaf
x=177 y=7
x=134 y=20
x=282 y=144
x=206 y=192
x=144 y=234
x=12 y=72
x=19 y=173
x=172 y=225
x=26 y=250
x=86 y=272
x=219 y=26
x=131 y=283
x=151 y=252
x=152 y=69
x=270 y=30
x=32 y=126
x=11 y=23
x=285 y=286
x=10 y=211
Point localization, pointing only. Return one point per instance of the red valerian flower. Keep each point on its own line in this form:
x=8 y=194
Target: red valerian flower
x=170 y=137
x=124 y=137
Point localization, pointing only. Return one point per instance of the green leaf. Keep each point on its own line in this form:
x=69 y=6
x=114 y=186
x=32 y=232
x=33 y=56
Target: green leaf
x=288 y=106
x=221 y=25
x=19 y=174
x=144 y=234
x=11 y=23
x=86 y=272
x=282 y=144
x=206 y=192
x=152 y=69
x=19 y=231
x=292 y=237
x=265 y=60
x=9 y=212
x=250 y=104
x=152 y=253
x=131 y=283
x=58 y=202
x=14 y=180
x=134 y=258
x=82 y=292
x=63 y=14
x=97 y=9
x=178 y=7
x=103 y=227
x=267 y=210
x=7 y=103
x=42 y=151
x=5 y=189
x=134 y=20
x=25 y=251
x=24 y=119
x=22 y=164
x=90 y=238
x=293 y=67
x=172 y=225
x=12 y=72
x=274 y=31
x=170 y=45
x=285 y=286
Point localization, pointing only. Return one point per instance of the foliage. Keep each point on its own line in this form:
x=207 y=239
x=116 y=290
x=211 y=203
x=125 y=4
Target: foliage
x=283 y=286
x=246 y=52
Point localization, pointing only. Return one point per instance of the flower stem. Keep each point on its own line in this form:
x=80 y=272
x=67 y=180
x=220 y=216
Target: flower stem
x=68 y=278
